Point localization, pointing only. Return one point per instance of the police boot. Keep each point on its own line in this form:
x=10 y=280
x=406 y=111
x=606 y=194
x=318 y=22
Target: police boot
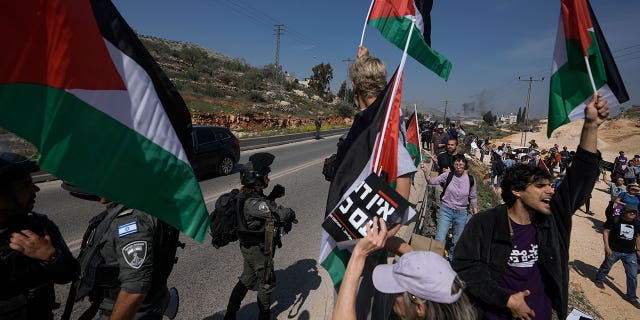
x=238 y=293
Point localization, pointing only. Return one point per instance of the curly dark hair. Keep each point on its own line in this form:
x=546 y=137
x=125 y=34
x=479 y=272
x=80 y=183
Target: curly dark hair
x=517 y=177
x=459 y=157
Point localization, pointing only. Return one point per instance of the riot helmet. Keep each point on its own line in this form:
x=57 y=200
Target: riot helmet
x=254 y=171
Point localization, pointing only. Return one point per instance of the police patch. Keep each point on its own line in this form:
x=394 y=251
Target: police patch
x=129 y=228
x=135 y=253
x=263 y=206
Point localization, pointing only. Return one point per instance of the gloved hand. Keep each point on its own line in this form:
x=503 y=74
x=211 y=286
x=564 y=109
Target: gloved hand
x=276 y=192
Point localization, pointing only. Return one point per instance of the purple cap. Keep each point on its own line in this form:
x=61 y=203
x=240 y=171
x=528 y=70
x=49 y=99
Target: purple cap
x=424 y=274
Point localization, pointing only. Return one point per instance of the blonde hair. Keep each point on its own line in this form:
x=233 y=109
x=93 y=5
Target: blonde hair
x=369 y=74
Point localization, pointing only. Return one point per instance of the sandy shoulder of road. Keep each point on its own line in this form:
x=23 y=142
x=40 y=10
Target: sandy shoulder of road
x=587 y=249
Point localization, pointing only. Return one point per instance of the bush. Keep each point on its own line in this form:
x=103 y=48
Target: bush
x=345 y=110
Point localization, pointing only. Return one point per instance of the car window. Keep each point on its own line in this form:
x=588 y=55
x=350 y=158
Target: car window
x=205 y=135
x=221 y=135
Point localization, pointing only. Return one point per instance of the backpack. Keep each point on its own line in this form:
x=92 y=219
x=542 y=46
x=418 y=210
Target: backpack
x=500 y=167
x=472 y=181
x=329 y=167
x=224 y=218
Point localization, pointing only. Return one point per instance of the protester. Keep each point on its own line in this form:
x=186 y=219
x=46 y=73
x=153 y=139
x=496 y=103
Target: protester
x=632 y=196
x=439 y=141
x=458 y=195
x=423 y=283
x=369 y=78
x=514 y=257
x=33 y=254
x=445 y=159
x=621 y=236
x=614 y=190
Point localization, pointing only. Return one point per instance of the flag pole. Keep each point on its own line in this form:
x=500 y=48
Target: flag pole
x=593 y=83
x=365 y=22
x=415 y=111
x=376 y=163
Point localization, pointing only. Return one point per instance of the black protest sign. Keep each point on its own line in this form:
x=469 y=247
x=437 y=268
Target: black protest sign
x=373 y=197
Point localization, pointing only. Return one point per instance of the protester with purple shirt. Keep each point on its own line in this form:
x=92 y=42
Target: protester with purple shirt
x=514 y=258
x=457 y=197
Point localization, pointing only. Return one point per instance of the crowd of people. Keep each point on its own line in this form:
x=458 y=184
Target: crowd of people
x=510 y=261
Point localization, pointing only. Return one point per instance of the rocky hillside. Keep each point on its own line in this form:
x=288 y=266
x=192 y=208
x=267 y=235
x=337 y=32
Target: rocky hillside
x=227 y=91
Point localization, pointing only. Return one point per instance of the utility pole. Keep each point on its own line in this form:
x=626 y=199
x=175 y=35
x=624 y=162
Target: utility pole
x=348 y=61
x=523 y=137
x=279 y=31
x=444 y=118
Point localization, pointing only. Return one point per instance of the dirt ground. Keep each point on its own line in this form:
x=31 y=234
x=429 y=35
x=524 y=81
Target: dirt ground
x=587 y=249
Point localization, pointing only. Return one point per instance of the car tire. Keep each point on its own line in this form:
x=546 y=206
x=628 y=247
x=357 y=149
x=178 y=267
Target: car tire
x=225 y=166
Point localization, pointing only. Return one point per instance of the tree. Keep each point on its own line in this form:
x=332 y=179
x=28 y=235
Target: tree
x=322 y=76
x=489 y=118
x=519 y=115
x=345 y=94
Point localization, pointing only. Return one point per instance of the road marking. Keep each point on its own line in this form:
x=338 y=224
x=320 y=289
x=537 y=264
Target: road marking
x=74 y=245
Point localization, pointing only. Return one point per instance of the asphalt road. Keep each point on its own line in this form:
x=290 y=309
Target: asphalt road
x=204 y=275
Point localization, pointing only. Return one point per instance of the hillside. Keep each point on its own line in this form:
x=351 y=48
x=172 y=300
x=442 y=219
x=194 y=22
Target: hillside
x=228 y=91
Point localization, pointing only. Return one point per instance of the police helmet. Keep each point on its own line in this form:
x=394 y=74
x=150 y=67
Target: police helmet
x=13 y=167
x=256 y=169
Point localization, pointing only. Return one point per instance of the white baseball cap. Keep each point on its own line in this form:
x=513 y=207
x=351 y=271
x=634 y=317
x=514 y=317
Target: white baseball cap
x=424 y=274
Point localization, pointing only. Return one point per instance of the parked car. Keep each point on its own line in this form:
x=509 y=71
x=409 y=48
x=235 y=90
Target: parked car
x=215 y=150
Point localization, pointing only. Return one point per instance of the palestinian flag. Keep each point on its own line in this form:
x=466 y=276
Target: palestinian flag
x=393 y=19
x=370 y=146
x=413 y=139
x=77 y=82
x=580 y=36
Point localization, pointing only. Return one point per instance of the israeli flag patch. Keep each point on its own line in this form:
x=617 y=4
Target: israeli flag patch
x=126 y=229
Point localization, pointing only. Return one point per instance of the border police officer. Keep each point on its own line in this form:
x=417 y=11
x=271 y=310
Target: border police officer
x=126 y=258
x=258 y=235
x=33 y=254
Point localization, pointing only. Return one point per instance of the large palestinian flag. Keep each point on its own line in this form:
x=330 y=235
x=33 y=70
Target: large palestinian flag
x=393 y=19
x=580 y=36
x=77 y=82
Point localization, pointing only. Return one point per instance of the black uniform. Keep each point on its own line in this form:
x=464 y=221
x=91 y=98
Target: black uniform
x=26 y=284
x=257 y=246
x=128 y=250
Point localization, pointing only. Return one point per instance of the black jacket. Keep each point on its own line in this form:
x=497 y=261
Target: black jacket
x=483 y=249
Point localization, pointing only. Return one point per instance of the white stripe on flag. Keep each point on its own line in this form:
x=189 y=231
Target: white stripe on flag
x=138 y=108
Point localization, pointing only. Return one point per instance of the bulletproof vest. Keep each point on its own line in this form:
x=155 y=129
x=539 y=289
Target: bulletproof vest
x=246 y=235
x=95 y=275
x=90 y=258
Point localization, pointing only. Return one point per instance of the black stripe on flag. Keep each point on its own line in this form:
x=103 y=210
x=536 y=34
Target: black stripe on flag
x=356 y=149
x=116 y=30
x=424 y=6
x=613 y=76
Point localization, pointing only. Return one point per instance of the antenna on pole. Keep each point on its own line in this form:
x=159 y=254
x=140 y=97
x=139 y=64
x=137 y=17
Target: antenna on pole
x=279 y=31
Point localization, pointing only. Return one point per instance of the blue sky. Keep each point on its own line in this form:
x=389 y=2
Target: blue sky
x=490 y=43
